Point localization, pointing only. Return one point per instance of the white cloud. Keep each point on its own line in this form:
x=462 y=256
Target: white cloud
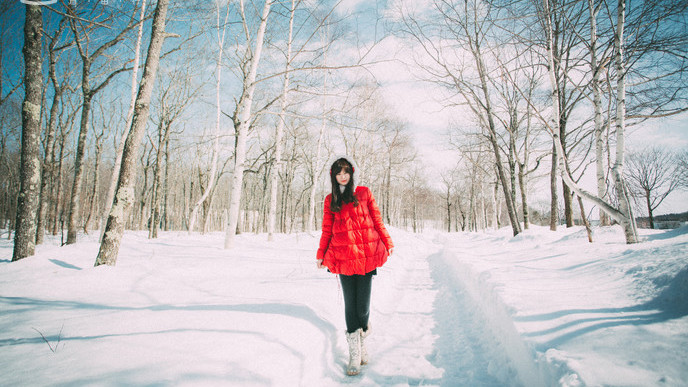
x=349 y=6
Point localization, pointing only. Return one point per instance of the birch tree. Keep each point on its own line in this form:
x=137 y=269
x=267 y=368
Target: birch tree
x=242 y=116
x=596 y=70
x=317 y=167
x=124 y=196
x=626 y=218
x=473 y=25
x=623 y=214
x=216 y=135
x=30 y=173
x=279 y=131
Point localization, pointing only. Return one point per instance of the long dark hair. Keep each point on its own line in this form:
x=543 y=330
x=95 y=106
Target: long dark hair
x=338 y=197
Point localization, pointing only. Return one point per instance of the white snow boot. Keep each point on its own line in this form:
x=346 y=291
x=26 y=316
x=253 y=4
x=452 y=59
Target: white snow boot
x=364 y=350
x=354 y=341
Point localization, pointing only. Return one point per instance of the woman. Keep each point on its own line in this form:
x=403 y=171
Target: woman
x=354 y=243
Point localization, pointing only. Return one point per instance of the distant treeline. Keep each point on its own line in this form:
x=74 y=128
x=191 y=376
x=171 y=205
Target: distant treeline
x=668 y=221
x=682 y=217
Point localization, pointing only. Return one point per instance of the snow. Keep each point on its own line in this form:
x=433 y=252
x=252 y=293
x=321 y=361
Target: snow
x=461 y=309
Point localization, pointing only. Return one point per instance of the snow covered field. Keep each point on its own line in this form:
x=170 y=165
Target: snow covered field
x=466 y=309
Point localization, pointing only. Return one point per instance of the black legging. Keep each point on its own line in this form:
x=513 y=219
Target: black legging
x=356 y=289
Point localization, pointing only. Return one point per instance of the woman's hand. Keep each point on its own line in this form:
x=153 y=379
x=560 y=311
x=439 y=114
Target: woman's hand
x=319 y=263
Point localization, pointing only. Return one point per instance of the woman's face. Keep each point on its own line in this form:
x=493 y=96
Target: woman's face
x=343 y=177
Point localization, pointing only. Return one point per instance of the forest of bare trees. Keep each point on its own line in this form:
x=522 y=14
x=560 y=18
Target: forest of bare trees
x=549 y=77
x=222 y=116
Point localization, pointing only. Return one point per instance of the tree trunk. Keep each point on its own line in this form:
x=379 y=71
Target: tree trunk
x=448 y=209
x=388 y=183
x=120 y=148
x=566 y=191
x=554 y=201
x=75 y=201
x=30 y=172
x=554 y=216
x=243 y=118
x=649 y=209
x=163 y=137
x=317 y=169
x=511 y=209
x=216 y=139
x=568 y=204
x=512 y=165
x=58 y=190
x=496 y=206
x=94 y=191
x=166 y=208
x=627 y=221
x=124 y=196
x=585 y=219
x=280 y=130
x=597 y=106
x=48 y=166
x=49 y=159
x=524 y=195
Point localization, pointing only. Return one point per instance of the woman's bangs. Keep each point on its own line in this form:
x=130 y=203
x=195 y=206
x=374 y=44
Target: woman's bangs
x=343 y=165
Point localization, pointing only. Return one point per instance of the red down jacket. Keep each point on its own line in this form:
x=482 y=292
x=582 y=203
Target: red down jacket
x=354 y=240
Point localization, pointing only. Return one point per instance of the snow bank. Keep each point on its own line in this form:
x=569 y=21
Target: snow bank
x=572 y=313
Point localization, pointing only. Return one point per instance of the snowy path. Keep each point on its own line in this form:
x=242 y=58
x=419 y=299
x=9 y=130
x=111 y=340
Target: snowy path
x=463 y=341
x=430 y=336
x=180 y=310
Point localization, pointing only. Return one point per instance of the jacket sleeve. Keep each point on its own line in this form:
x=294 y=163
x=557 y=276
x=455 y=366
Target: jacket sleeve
x=328 y=220
x=374 y=211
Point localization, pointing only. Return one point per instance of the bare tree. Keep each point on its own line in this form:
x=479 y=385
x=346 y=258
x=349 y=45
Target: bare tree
x=130 y=114
x=176 y=95
x=627 y=220
x=682 y=168
x=242 y=116
x=468 y=24
x=30 y=173
x=623 y=214
x=59 y=88
x=517 y=85
x=417 y=194
x=216 y=135
x=93 y=202
x=449 y=187
x=124 y=196
x=89 y=90
x=596 y=69
x=316 y=167
x=652 y=175
x=400 y=153
x=62 y=152
x=279 y=131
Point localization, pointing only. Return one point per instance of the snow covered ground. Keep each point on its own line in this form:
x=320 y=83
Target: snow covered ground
x=465 y=309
